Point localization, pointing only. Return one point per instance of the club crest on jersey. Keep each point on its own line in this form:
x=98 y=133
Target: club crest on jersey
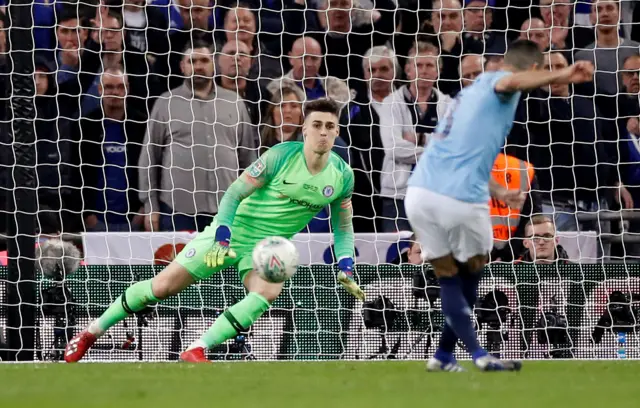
x=327 y=191
x=257 y=168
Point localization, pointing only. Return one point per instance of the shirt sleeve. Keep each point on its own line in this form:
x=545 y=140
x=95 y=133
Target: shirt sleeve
x=257 y=175
x=341 y=219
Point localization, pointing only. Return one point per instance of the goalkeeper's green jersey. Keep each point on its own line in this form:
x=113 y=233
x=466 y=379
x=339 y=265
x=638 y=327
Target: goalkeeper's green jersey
x=289 y=197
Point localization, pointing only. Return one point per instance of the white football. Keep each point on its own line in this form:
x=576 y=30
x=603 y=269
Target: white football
x=275 y=259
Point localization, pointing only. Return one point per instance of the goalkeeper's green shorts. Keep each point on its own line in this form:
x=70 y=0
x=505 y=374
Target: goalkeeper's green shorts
x=192 y=257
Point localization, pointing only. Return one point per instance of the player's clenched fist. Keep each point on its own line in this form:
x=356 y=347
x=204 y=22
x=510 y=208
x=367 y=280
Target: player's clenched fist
x=581 y=71
x=220 y=249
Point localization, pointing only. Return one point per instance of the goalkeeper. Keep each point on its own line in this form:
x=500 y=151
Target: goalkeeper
x=277 y=195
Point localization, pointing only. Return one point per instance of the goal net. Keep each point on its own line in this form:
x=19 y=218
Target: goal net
x=145 y=112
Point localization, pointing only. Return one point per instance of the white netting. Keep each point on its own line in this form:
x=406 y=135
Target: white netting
x=146 y=112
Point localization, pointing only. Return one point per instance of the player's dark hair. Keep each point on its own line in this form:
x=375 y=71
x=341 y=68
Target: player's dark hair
x=322 y=105
x=522 y=54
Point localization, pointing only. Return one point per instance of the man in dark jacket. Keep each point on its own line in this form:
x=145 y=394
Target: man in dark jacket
x=110 y=142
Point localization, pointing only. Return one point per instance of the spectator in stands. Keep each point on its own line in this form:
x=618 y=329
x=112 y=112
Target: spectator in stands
x=145 y=28
x=471 y=66
x=535 y=30
x=567 y=149
x=71 y=35
x=493 y=63
x=346 y=31
x=109 y=33
x=194 y=19
x=53 y=154
x=541 y=243
x=609 y=51
x=306 y=59
x=409 y=116
x=198 y=138
x=381 y=69
x=240 y=25
x=478 y=32
x=234 y=63
x=557 y=16
x=628 y=101
x=110 y=140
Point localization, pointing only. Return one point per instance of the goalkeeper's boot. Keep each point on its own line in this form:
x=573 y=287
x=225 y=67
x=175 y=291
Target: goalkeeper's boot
x=194 y=355
x=490 y=363
x=78 y=346
x=452 y=366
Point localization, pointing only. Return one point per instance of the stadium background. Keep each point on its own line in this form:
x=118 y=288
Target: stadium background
x=117 y=136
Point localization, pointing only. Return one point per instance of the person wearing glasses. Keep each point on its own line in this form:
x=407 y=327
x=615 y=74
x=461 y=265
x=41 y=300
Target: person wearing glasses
x=541 y=242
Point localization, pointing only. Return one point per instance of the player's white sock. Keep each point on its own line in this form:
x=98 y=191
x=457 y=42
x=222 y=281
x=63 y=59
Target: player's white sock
x=197 y=344
x=95 y=329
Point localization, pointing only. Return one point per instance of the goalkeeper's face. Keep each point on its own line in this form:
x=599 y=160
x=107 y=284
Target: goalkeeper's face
x=320 y=130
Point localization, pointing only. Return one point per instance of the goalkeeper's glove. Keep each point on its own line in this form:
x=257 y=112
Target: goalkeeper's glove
x=220 y=249
x=345 y=277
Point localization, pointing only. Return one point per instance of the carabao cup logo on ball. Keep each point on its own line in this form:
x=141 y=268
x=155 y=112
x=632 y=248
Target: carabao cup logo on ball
x=275 y=259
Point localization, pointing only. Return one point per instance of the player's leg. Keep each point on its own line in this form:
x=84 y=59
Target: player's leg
x=239 y=317
x=187 y=268
x=474 y=239
x=424 y=214
x=172 y=280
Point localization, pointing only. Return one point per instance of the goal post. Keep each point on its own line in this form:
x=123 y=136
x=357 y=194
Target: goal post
x=21 y=198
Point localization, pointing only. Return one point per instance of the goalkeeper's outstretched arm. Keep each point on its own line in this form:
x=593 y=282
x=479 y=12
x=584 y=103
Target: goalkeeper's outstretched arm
x=342 y=225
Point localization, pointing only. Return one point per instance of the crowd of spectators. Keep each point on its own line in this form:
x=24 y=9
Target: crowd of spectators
x=147 y=111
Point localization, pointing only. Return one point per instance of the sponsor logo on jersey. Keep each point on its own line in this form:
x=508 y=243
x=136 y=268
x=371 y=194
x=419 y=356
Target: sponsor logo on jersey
x=114 y=149
x=309 y=206
x=309 y=187
x=327 y=191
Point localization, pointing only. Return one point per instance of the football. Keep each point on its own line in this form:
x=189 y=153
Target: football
x=275 y=259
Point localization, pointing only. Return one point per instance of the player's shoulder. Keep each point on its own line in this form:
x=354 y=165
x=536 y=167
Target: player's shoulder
x=284 y=151
x=338 y=163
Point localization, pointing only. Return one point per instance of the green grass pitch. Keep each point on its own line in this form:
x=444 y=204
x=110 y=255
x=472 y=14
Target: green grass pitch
x=543 y=384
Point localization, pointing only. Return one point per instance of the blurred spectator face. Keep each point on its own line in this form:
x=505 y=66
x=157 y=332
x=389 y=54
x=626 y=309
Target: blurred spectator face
x=139 y=3
x=234 y=61
x=446 y=16
x=630 y=73
x=555 y=12
x=338 y=15
x=477 y=16
x=288 y=115
x=111 y=34
x=240 y=23
x=541 y=241
x=195 y=13
x=42 y=81
x=3 y=38
x=535 y=31
x=70 y=35
x=555 y=61
x=494 y=63
x=423 y=68
x=470 y=69
x=605 y=15
x=305 y=58
x=379 y=73
x=197 y=65
x=113 y=89
x=414 y=256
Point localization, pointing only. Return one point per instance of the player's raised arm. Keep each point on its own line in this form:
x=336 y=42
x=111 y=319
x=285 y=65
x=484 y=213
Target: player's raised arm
x=342 y=225
x=524 y=58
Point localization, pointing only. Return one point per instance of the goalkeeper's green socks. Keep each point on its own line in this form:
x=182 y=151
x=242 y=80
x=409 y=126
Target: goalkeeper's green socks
x=237 y=318
x=137 y=297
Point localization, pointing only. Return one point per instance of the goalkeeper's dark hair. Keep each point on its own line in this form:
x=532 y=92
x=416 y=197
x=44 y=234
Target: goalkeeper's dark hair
x=522 y=54
x=322 y=105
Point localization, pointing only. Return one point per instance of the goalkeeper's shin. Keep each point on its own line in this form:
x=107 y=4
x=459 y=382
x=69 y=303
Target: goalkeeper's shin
x=236 y=319
x=136 y=298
